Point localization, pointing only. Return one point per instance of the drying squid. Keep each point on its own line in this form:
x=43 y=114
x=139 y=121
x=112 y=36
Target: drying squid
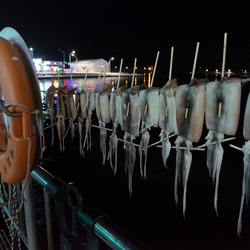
x=91 y=105
x=61 y=116
x=71 y=109
x=222 y=117
x=190 y=110
x=143 y=149
x=50 y=97
x=167 y=117
x=130 y=125
x=246 y=160
x=103 y=115
x=81 y=114
x=116 y=117
x=149 y=111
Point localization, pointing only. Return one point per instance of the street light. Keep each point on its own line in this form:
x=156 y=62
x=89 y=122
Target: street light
x=112 y=58
x=32 y=52
x=63 y=57
x=71 y=54
x=74 y=56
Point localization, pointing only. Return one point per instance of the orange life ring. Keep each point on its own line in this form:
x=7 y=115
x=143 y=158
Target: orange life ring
x=21 y=140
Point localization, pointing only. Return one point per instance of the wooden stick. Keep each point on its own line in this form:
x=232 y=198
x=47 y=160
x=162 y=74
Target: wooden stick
x=224 y=55
x=216 y=142
x=146 y=128
x=132 y=83
x=85 y=79
x=129 y=142
x=67 y=131
x=162 y=140
x=128 y=108
x=186 y=113
x=219 y=114
x=166 y=110
x=55 y=123
x=197 y=149
x=102 y=128
x=146 y=108
x=238 y=148
x=96 y=82
x=195 y=60
x=171 y=63
x=153 y=76
x=114 y=130
x=118 y=83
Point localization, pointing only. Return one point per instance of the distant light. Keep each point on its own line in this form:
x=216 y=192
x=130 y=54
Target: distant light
x=115 y=67
x=149 y=68
x=144 y=68
x=216 y=70
x=31 y=49
x=127 y=67
x=229 y=70
x=206 y=69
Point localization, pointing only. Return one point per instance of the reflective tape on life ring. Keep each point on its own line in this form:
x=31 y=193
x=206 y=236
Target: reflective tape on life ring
x=17 y=93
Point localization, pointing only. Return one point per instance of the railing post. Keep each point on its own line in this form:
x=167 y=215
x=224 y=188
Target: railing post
x=30 y=219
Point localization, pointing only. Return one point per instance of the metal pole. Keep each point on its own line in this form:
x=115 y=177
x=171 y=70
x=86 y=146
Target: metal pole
x=30 y=219
x=48 y=220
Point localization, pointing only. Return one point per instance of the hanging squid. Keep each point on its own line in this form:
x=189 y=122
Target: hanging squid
x=116 y=117
x=190 y=110
x=61 y=115
x=81 y=101
x=149 y=112
x=246 y=160
x=103 y=115
x=49 y=99
x=71 y=109
x=91 y=106
x=167 y=119
x=130 y=125
x=222 y=117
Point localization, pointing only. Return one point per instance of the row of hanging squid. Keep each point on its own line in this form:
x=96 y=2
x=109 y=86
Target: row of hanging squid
x=181 y=110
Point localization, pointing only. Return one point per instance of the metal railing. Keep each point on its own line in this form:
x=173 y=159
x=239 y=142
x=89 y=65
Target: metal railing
x=88 y=223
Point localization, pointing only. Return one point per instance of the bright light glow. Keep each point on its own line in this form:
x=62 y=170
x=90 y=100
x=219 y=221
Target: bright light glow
x=149 y=68
x=127 y=67
x=206 y=70
x=216 y=70
x=31 y=49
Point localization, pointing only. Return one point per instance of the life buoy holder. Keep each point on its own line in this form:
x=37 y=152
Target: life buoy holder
x=18 y=151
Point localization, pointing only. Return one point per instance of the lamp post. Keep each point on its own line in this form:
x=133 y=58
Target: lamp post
x=63 y=57
x=32 y=53
x=72 y=53
x=112 y=58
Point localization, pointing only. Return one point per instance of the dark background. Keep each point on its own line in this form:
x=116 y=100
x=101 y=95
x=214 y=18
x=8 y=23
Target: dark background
x=135 y=29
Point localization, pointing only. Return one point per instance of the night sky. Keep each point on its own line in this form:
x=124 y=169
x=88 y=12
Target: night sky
x=135 y=29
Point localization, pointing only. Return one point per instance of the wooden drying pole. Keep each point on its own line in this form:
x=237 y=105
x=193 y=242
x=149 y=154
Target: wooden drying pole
x=223 y=66
x=224 y=55
x=132 y=83
x=171 y=63
x=195 y=59
x=119 y=77
x=153 y=76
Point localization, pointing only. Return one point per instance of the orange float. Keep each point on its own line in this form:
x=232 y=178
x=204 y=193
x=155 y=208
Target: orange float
x=18 y=149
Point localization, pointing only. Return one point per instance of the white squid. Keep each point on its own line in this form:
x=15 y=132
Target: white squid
x=222 y=117
x=71 y=109
x=61 y=116
x=49 y=99
x=190 y=110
